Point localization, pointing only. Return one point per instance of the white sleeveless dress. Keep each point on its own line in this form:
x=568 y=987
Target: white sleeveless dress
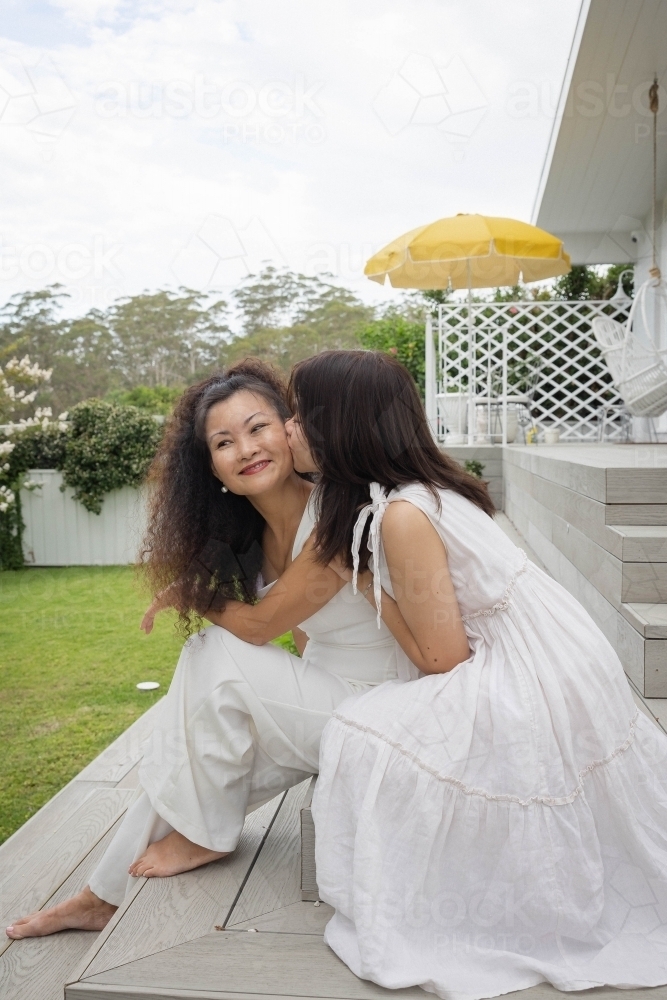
x=241 y=723
x=503 y=824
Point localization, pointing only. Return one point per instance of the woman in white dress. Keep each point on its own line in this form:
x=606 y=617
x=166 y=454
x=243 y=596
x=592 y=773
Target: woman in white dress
x=242 y=719
x=503 y=821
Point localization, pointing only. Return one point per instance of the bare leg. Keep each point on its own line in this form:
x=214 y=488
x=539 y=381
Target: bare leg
x=171 y=856
x=85 y=911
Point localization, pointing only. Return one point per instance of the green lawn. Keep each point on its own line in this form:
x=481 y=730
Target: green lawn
x=71 y=653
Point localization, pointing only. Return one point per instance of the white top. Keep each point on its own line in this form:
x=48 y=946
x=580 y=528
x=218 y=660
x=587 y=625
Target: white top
x=343 y=636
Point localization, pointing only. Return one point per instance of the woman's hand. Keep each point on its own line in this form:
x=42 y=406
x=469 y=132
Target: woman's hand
x=167 y=598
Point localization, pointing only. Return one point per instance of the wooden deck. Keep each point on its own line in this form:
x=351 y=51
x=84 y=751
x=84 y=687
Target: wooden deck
x=233 y=930
x=237 y=929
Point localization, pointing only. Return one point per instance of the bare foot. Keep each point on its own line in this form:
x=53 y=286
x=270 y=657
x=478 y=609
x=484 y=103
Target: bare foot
x=86 y=912
x=171 y=856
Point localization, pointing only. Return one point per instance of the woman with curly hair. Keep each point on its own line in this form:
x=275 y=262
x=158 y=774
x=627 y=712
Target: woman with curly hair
x=242 y=719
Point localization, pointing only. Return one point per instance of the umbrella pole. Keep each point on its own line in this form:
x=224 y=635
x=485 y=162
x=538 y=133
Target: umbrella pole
x=471 y=364
x=430 y=377
x=504 y=389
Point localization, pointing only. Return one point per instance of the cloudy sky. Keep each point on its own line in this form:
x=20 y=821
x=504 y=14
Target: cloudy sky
x=153 y=143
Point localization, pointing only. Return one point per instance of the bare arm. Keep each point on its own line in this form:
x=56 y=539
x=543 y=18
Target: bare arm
x=301 y=591
x=304 y=588
x=419 y=572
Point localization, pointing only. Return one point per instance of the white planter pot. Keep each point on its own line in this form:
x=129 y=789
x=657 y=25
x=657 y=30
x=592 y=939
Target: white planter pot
x=497 y=424
x=454 y=407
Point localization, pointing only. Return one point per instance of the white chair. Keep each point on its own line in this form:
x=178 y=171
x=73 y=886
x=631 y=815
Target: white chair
x=638 y=370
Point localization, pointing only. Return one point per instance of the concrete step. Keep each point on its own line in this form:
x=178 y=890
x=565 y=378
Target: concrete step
x=629 y=540
x=636 y=513
x=650 y=620
x=641 y=542
x=309 y=890
x=618 y=580
x=636 y=630
x=610 y=474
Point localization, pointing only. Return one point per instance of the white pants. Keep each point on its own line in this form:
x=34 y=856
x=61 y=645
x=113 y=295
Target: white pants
x=239 y=724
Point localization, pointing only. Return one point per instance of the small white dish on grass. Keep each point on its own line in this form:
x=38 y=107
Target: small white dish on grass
x=148 y=685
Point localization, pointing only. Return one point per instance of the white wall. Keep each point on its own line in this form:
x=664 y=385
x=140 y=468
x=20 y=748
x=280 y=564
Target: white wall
x=59 y=531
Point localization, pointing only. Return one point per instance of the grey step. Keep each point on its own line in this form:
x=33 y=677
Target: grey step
x=641 y=542
x=593 y=518
x=618 y=581
x=633 y=474
x=644 y=656
x=309 y=889
x=636 y=513
x=644 y=582
x=650 y=620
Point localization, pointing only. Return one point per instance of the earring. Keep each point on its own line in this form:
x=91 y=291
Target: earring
x=223 y=489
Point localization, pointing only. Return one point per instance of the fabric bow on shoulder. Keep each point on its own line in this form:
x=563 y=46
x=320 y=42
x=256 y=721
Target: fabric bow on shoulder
x=375 y=510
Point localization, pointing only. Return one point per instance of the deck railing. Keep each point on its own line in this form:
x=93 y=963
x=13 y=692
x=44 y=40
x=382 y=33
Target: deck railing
x=497 y=370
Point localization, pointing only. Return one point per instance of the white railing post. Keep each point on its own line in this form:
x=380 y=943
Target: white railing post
x=472 y=373
x=431 y=403
x=505 y=386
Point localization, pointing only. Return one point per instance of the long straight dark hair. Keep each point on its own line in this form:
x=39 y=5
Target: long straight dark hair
x=364 y=422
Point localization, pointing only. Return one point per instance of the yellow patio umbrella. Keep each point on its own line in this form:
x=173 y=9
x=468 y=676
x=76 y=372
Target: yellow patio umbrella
x=469 y=251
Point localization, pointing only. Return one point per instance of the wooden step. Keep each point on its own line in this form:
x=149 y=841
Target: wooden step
x=51 y=857
x=642 y=542
x=309 y=889
x=236 y=929
x=649 y=619
x=610 y=474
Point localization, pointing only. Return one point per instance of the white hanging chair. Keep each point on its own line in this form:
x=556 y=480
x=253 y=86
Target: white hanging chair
x=638 y=367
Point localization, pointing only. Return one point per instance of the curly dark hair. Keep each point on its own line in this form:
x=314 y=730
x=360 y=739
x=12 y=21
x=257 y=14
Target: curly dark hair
x=208 y=541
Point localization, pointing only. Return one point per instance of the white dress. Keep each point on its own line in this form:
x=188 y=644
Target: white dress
x=242 y=723
x=503 y=824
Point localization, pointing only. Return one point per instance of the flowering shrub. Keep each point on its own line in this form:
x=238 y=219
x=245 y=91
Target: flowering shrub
x=7 y=498
x=18 y=385
x=19 y=382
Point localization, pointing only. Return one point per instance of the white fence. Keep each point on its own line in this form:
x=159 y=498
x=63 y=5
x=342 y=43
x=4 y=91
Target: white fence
x=59 y=531
x=499 y=367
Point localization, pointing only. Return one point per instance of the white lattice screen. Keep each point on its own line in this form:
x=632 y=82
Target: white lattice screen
x=532 y=361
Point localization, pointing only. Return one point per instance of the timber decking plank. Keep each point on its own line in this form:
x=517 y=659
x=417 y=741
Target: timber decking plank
x=296 y=918
x=131 y=779
x=37 y=968
x=272 y=965
x=46 y=869
x=32 y=835
x=121 y=756
x=275 y=878
x=542 y=992
x=279 y=964
x=165 y=912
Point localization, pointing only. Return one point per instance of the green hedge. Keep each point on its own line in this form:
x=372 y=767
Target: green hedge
x=107 y=447
x=104 y=448
x=401 y=337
